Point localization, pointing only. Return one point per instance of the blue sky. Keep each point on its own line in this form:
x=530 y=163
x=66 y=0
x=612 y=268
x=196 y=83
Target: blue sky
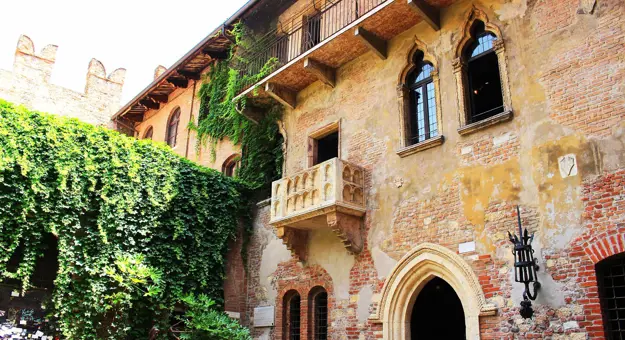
x=137 y=35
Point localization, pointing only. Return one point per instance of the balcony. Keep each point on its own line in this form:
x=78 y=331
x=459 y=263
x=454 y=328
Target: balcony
x=314 y=47
x=327 y=195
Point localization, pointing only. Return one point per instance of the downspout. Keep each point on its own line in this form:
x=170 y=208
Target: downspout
x=186 y=151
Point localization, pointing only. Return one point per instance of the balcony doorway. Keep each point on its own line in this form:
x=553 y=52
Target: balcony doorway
x=437 y=313
x=324 y=145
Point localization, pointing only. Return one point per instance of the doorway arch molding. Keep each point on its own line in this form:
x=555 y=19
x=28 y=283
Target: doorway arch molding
x=412 y=273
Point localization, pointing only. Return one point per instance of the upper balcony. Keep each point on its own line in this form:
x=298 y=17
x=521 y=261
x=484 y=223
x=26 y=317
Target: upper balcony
x=327 y=195
x=314 y=46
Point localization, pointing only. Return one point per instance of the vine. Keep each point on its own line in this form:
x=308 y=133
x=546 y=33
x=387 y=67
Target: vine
x=123 y=210
x=220 y=117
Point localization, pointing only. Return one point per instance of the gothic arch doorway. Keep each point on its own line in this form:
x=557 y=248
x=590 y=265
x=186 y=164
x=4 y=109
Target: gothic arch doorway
x=437 y=313
x=411 y=276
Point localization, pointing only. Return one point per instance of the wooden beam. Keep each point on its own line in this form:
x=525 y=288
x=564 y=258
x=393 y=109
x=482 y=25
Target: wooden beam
x=159 y=98
x=216 y=54
x=150 y=104
x=324 y=73
x=254 y=114
x=283 y=95
x=181 y=83
x=190 y=75
x=377 y=45
x=430 y=14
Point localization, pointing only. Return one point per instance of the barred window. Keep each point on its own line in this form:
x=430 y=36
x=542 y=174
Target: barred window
x=291 y=316
x=320 y=314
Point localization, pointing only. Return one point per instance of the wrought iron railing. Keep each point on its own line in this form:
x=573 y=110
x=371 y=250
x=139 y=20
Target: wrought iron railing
x=305 y=34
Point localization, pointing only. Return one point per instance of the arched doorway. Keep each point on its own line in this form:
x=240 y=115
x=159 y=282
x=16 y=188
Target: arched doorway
x=437 y=313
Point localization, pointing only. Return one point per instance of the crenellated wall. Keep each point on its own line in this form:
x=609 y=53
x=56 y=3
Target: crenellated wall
x=29 y=84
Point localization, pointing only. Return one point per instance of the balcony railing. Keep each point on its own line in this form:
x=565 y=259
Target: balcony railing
x=334 y=185
x=309 y=32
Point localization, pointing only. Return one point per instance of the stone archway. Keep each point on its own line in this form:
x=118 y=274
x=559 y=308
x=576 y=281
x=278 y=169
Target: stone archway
x=412 y=273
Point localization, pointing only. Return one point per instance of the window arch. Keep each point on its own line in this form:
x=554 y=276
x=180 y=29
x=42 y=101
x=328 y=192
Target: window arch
x=230 y=165
x=419 y=102
x=172 y=127
x=318 y=313
x=481 y=75
x=291 y=310
x=149 y=132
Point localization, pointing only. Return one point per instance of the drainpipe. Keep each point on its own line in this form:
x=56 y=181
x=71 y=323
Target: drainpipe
x=186 y=151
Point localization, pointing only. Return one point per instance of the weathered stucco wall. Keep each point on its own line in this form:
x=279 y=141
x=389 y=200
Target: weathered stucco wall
x=29 y=84
x=567 y=72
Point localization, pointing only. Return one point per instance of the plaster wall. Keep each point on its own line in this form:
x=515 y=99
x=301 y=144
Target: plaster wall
x=567 y=70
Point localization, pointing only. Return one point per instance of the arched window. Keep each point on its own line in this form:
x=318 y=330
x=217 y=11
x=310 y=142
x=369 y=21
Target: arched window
x=291 y=316
x=423 y=119
x=484 y=80
x=148 y=133
x=481 y=75
x=419 y=102
x=230 y=165
x=318 y=313
x=172 y=127
x=611 y=280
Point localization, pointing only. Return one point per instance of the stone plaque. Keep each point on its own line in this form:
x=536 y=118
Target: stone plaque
x=234 y=315
x=264 y=316
x=568 y=165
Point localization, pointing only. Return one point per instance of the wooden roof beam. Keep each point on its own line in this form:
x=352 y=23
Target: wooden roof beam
x=190 y=75
x=283 y=95
x=324 y=73
x=376 y=44
x=430 y=14
x=216 y=54
x=159 y=98
x=147 y=102
x=180 y=83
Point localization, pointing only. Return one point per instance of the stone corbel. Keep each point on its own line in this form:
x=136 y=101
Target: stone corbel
x=296 y=240
x=348 y=228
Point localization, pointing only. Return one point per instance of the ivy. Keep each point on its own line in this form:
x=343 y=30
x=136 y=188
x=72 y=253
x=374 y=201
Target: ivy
x=220 y=114
x=123 y=210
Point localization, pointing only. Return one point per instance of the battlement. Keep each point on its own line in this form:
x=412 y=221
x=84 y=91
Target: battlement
x=29 y=84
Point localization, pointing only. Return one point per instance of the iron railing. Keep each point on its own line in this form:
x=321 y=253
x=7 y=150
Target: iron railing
x=305 y=33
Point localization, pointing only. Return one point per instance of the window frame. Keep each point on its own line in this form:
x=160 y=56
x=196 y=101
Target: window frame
x=230 y=164
x=314 y=317
x=460 y=66
x=418 y=55
x=287 y=316
x=173 y=120
x=149 y=131
x=414 y=119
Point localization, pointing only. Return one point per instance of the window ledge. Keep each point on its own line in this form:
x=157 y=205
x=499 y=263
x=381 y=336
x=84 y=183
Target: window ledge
x=483 y=124
x=426 y=144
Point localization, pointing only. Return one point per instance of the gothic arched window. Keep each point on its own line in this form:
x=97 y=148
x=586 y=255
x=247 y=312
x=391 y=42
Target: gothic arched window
x=423 y=122
x=149 y=132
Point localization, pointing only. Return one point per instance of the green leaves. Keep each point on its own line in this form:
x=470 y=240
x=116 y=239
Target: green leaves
x=138 y=227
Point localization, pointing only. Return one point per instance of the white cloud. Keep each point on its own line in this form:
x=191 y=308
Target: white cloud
x=137 y=35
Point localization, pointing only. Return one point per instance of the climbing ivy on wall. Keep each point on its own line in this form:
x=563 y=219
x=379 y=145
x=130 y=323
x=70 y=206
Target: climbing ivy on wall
x=220 y=114
x=123 y=210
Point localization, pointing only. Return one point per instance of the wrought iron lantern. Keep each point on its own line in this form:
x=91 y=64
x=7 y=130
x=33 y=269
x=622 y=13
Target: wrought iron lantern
x=525 y=267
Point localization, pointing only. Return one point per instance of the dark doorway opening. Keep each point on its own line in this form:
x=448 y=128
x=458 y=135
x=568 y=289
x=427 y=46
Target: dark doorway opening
x=326 y=148
x=611 y=280
x=437 y=313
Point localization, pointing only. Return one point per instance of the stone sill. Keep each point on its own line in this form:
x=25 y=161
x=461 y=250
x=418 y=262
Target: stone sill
x=483 y=124
x=421 y=146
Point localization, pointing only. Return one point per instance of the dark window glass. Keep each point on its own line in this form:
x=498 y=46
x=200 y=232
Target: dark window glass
x=321 y=316
x=172 y=128
x=611 y=279
x=230 y=165
x=148 y=133
x=484 y=89
x=423 y=118
x=294 y=318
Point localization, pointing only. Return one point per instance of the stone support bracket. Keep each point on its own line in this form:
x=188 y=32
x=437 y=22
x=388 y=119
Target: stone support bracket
x=283 y=95
x=430 y=14
x=296 y=240
x=324 y=73
x=376 y=44
x=348 y=228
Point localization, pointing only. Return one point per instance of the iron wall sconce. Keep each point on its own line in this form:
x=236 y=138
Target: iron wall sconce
x=525 y=267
